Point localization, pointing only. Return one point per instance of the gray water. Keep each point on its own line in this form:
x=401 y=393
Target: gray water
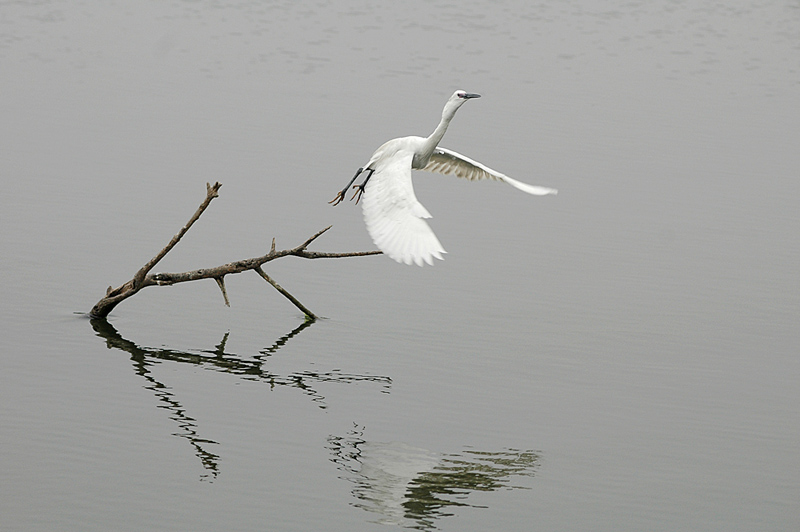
x=622 y=356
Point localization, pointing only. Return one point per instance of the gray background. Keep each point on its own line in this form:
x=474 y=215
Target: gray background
x=622 y=356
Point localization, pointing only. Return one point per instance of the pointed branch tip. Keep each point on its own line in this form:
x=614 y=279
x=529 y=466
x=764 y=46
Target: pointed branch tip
x=221 y=283
x=305 y=244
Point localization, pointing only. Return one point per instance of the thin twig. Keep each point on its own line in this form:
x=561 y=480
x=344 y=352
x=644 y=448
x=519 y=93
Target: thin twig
x=305 y=244
x=221 y=283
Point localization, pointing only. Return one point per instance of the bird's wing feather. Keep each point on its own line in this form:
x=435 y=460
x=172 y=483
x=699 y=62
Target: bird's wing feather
x=394 y=217
x=446 y=161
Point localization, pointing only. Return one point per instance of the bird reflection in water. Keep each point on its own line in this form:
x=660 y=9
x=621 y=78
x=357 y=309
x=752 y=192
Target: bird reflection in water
x=413 y=487
x=217 y=359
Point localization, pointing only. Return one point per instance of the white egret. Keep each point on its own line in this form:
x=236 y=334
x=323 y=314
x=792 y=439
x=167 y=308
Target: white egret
x=394 y=217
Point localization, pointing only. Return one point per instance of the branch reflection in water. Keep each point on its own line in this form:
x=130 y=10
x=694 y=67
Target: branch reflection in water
x=218 y=359
x=413 y=487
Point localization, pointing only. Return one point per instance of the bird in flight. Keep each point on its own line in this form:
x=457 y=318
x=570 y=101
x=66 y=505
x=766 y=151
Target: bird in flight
x=392 y=213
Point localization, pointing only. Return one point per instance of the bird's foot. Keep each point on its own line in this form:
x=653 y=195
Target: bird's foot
x=358 y=193
x=339 y=198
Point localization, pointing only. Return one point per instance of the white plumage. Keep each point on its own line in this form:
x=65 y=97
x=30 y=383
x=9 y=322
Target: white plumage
x=394 y=217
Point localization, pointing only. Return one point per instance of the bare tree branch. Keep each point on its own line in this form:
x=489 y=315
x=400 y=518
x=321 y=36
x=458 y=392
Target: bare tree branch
x=211 y=193
x=143 y=278
x=310 y=315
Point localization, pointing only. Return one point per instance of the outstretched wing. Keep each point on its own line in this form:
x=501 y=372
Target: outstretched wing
x=394 y=217
x=446 y=161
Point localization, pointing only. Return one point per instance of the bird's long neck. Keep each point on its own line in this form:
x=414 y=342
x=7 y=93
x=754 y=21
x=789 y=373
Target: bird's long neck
x=433 y=140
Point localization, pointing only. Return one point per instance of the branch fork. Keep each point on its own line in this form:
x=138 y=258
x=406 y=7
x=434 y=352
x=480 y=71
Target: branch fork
x=143 y=278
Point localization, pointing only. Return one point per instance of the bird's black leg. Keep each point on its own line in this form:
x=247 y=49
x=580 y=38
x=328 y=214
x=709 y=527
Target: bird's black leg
x=340 y=196
x=360 y=188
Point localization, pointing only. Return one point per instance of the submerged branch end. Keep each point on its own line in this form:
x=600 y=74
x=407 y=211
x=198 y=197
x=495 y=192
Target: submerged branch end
x=309 y=315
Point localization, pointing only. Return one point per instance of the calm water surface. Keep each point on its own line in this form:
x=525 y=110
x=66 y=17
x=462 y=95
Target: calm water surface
x=622 y=356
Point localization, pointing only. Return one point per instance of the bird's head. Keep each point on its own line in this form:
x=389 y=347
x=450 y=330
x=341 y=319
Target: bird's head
x=457 y=100
x=464 y=95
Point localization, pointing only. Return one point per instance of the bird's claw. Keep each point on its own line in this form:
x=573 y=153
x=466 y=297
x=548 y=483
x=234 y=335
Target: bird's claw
x=339 y=198
x=358 y=193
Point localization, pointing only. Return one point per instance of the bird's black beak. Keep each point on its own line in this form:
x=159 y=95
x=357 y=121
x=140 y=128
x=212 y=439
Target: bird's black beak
x=469 y=95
